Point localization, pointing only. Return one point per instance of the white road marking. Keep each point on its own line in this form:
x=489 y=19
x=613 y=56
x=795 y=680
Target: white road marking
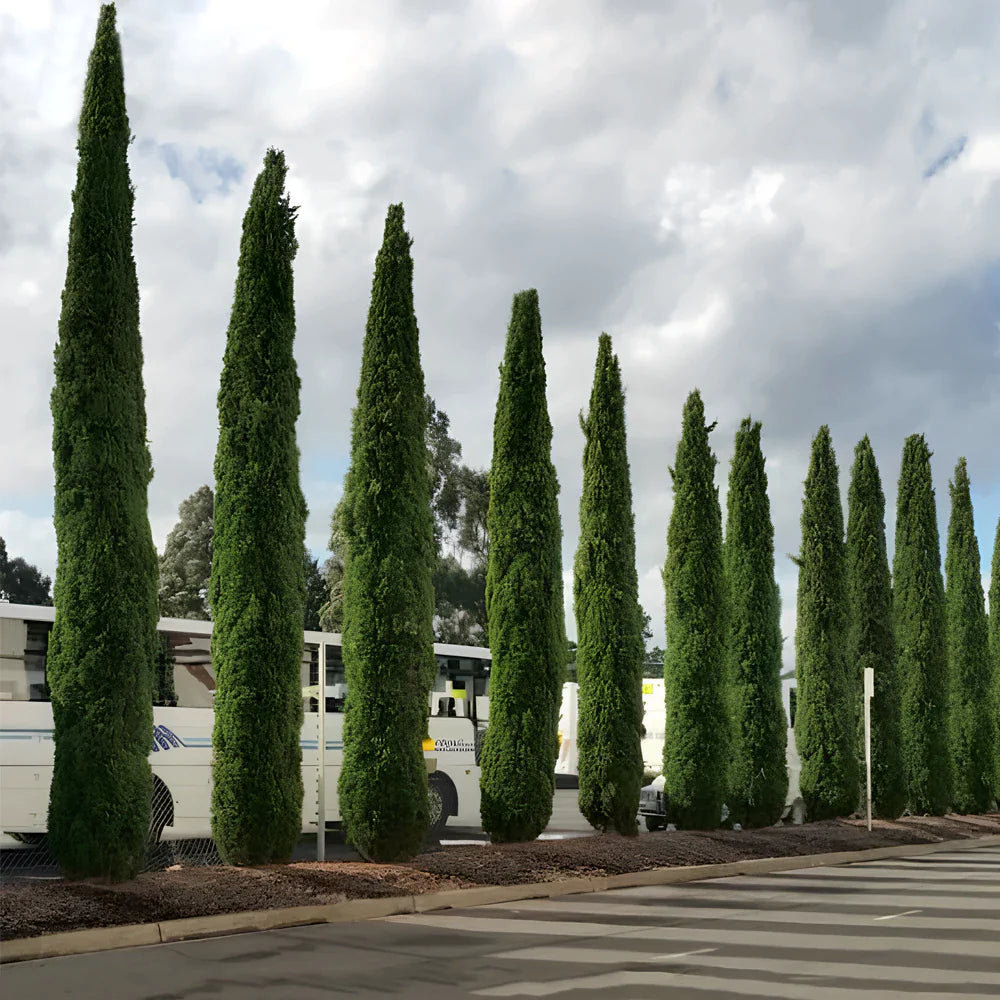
x=740 y=987
x=698 y=935
x=893 y=916
x=767 y=963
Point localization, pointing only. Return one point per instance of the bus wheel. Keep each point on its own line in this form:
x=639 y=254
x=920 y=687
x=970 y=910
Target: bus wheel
x=30 y=839
x=161 y=812
x=440 y=795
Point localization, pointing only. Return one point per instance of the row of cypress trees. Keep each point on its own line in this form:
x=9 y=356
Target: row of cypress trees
x=936 y=703
x=723 y=659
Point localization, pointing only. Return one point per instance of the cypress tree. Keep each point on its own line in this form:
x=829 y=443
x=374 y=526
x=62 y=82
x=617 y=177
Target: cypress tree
x=824 y=722
x=973 y=726
x=389 y=557
x=994 y=628
x=869 y=632
x=524 y=602
x=608 y=618
x=919 y=629
x=697 y=735
x=257 y=588
x=104 y=639
x=758 y=778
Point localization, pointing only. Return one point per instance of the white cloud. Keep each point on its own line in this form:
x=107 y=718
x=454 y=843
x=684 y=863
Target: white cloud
x=734 y=191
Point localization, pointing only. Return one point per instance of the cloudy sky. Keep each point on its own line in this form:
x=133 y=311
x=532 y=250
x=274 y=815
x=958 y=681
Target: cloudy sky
x=794 y=206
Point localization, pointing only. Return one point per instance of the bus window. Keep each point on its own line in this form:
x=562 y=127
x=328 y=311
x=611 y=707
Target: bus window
x=23 y=646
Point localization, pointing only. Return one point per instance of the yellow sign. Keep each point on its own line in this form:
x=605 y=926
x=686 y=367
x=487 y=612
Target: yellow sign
x=647 y=689
x=428 y=746
x=458 y=693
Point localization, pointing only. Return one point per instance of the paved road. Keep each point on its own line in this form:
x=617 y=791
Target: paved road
x=907 y=928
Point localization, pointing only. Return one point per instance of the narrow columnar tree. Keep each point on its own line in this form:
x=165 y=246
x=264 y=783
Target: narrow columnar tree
x=824 y=722
x=608 y=618
x=869 y=632
x=758 y=776
x=696 y=747
x=524 y=601
x=919 y=629
x=388 y=564
x=973 y=727
x=994 y=628
x=103 y=642
x=257 y=588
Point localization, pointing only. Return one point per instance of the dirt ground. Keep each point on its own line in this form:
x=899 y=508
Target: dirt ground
x=33 y=907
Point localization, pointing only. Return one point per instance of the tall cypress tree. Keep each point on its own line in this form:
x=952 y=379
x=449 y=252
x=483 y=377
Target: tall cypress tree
x=869 y=632
x=696 y=738
x=524 y=603
x=973 y=726
x=919 y=629
x=389 y=558
x=758 y=777
x=994 y=628
x=824 y=722
x=257 y=588
x=104 y=639
x=608 y=618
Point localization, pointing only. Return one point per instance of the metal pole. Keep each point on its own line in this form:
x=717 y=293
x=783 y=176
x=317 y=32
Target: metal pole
x=869 y=692
x=321 y=759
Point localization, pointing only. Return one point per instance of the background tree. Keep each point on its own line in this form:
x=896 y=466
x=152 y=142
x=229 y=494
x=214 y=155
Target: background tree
x=103 y=642
x=919 y=630
x=316 y=593
x=459 y=498
x=186 y=563
x=524 y=598
x=608 y=616
x=758 y=776
x=973 y=725
x=22 y=583
x=388 y=561
x=257 y=585
x=824 y=722
x=869 y=632
x=994 y=627
x=696 y=744
x=163 y=673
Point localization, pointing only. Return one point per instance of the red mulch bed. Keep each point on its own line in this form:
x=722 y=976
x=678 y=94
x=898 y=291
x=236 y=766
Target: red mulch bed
x=29 y=908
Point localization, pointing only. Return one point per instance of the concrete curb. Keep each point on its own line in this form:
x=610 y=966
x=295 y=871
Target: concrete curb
x=192 y=928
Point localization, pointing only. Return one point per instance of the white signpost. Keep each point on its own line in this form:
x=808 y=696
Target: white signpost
x=869 y=693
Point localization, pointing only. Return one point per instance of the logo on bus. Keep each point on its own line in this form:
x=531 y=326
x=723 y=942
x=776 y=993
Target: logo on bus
x=164 y=739
x=448 y=746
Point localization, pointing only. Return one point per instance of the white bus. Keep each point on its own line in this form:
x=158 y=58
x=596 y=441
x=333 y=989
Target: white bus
x=181 y=751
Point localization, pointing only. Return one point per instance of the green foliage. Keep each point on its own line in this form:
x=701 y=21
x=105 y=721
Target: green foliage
x=697 y=741
x=186 y=563
x=824 y=720
x=973 y=725
x=869 y=633
x=608 y=616
x=919 y=630
x=523 y=594
x=994 y=627
x=758 y=776
x=257 y=584
x=22 y=583
x=103 y=643
x=389 y=557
